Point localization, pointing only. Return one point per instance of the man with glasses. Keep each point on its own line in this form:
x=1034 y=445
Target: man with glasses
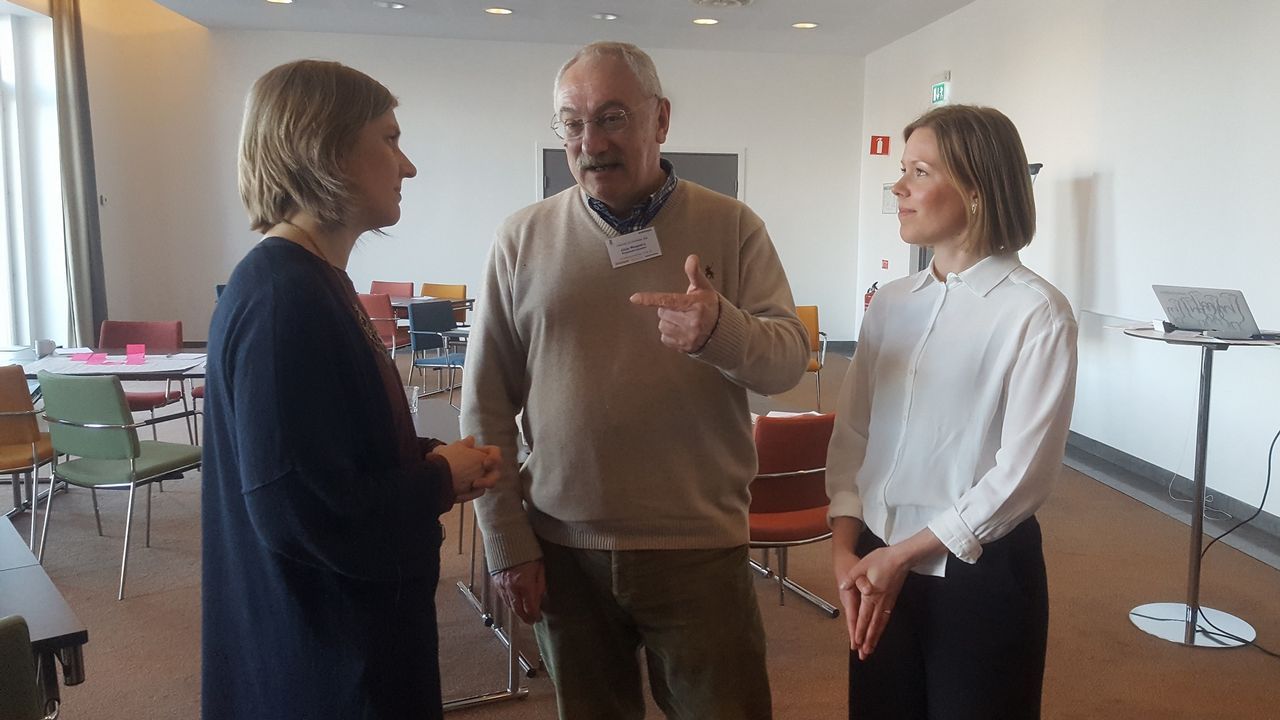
x=626 y=527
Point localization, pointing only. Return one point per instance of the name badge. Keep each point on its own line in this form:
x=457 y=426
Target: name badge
x=633 y=247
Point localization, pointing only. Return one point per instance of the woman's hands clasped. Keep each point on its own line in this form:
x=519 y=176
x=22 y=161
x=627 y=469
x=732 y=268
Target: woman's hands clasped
x=475 y=468
x=869 y=588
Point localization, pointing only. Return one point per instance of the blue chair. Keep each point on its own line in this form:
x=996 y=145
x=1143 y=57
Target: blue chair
x=428 y=324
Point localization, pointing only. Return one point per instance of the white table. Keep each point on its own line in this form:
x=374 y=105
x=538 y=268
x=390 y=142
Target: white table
x=1181 y=622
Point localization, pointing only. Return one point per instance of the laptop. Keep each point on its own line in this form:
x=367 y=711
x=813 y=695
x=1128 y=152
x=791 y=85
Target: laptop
x=1213 y=312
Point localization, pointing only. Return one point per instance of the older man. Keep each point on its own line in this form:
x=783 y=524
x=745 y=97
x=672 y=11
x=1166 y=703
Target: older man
x=626 y=526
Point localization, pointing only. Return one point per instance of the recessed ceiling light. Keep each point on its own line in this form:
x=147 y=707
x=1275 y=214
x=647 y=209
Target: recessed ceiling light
x=280 y=2
x=706 y=21
x=498 y=11
x=604 y=16
x=389 y=5
x=804 y=25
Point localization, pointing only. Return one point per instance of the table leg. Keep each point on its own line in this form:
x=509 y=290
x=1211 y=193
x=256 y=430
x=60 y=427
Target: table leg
x=1181 y=622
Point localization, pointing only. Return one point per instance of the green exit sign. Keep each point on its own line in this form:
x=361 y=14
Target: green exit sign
x=941 y=93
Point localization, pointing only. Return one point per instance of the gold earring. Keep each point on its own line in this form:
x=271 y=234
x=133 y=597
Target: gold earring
x=973 y=208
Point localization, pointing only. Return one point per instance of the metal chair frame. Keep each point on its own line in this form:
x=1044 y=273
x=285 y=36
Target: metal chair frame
x=443 y=360
x=30 y=478
x=132 y=484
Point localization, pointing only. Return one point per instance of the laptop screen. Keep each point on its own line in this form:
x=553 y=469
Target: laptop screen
x=1214 y=311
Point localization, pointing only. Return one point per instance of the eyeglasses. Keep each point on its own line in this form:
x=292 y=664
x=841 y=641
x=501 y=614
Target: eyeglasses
x=609 y=122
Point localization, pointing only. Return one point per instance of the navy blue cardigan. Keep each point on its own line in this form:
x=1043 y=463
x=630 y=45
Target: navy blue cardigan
x=321 y=532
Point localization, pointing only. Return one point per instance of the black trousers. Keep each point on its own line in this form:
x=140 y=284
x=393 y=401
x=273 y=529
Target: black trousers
x=968 y=646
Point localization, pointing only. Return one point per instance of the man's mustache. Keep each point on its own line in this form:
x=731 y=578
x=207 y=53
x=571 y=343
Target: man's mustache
x=586 y=162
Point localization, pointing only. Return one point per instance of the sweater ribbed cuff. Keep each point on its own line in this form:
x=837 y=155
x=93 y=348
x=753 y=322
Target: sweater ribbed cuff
x=510 y=546
x=725 y=347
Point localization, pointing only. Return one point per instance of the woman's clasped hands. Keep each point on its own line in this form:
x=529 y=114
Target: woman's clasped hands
x=475 y=468
x=869 y=588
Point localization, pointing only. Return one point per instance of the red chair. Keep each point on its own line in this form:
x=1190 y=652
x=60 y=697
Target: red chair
x=378 y=306
x=394 y=289
x=789 y=495
x=159 y=337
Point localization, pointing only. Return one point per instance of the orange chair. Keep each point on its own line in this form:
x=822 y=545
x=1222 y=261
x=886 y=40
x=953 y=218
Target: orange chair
x=808 y=315
x=23 y=448
x=378 y=306
x=159 y=337
x=788 y=495
x=448 y=292
x=394 y=289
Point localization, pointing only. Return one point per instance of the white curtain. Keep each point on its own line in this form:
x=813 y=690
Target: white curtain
x=34 y=300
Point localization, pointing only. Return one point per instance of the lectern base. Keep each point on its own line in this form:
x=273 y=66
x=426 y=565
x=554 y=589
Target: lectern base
x=1168 y=621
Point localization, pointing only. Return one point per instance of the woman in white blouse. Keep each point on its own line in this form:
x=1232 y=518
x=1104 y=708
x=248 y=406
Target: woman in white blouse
x=950 y=431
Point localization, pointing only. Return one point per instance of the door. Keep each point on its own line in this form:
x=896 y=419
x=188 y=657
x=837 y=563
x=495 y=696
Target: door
x=718 y=171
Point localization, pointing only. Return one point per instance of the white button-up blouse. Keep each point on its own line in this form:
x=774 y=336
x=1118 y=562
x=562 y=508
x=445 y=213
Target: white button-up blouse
x=955 y=410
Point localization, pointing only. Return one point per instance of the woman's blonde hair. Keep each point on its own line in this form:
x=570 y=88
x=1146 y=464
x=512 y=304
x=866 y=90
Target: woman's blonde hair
x=299 y=121
x=982 y=152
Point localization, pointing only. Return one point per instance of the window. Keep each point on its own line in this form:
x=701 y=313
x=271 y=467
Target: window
x=33 y=275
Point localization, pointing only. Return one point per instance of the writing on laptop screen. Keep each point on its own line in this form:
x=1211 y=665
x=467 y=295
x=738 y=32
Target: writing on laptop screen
x=1219 y=312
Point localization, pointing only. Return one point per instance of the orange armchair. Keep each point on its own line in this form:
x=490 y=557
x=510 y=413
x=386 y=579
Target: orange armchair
x=448 y=292
x=808 y=315
x=23 y=448
x=789 y=496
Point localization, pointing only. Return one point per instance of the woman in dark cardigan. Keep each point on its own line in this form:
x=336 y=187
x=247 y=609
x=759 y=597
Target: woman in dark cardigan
x=321 y=531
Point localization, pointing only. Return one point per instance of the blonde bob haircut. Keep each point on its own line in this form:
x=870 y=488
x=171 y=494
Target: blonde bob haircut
x=300 y=120
x=982 y=152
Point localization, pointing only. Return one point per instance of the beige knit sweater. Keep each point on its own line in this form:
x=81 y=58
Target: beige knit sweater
x=634 y=445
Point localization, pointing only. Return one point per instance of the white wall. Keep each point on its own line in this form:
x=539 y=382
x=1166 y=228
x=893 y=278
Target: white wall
x=473 y=115
x=1156 y=127
x=148 y=75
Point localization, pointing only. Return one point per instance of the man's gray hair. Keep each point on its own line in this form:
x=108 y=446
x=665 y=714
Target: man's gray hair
x=637 y=60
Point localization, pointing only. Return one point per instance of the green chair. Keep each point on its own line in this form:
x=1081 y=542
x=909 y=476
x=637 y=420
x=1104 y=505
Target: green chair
x=89 y=420
x=19 y=693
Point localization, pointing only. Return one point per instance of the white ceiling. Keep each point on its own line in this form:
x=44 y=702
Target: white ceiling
x=846 y=27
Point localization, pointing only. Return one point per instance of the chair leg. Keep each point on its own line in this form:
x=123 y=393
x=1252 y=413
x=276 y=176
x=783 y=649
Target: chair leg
x=817 y=382
x=128 y=527
x=17 y=490
x=148 y=543
x=462 y=516
x=761 y=566
x=782 y=576
x=155 y=435
x=785 y=583
x=191 y=433
x=32 y=483
x=48 y=510
x=97 y=517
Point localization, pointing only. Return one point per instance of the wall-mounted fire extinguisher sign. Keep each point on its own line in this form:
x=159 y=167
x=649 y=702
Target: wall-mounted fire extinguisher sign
x=871 y=292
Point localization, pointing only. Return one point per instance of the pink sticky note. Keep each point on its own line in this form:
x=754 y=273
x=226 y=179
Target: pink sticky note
x=81 y=357
x=135 y=359
x=97 y=359
x=135 y=349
